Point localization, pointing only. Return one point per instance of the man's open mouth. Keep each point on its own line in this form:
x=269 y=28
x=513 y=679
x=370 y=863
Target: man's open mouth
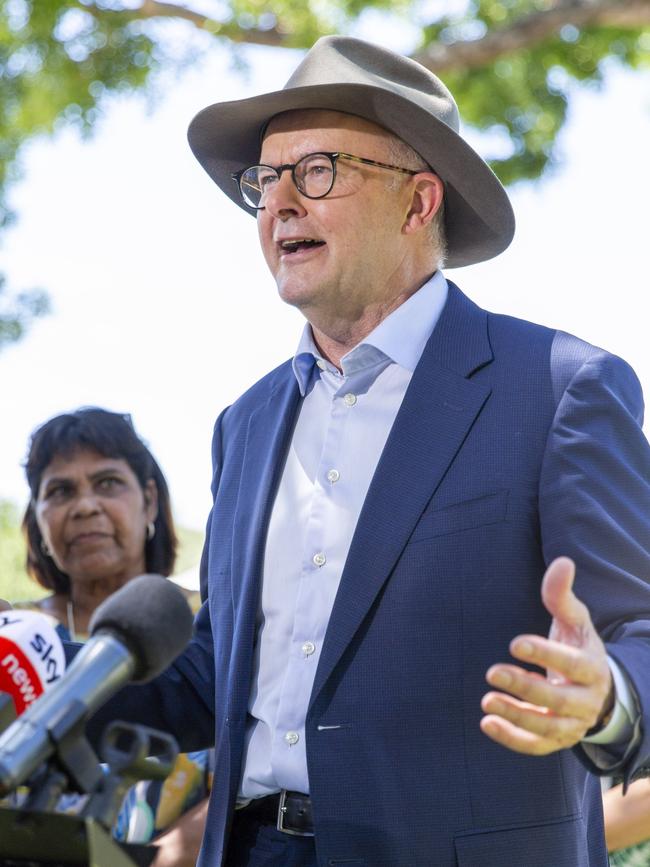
x=298 y=244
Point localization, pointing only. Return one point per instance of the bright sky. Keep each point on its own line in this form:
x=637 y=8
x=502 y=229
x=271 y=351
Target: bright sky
x=162 y=304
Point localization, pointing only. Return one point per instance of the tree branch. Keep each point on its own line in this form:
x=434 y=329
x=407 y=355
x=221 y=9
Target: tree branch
x=532 y=29
x=228 y=29
x=527 y=31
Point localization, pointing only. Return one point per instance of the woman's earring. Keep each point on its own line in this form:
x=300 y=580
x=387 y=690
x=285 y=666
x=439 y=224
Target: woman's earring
x=151 y=531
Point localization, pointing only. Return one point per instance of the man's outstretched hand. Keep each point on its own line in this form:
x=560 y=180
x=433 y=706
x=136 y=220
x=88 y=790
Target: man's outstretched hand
x=539 y=714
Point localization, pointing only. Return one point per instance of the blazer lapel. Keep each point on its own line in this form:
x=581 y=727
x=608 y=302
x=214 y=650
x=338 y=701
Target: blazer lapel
x=438 y=410
x=269 y=432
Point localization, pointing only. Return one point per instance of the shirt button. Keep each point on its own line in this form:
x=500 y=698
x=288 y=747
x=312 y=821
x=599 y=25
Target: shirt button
x=292 y=738
x=350 y=398
x=333 y=476
x=320 y=363
x=308 y=648
x=319 y=559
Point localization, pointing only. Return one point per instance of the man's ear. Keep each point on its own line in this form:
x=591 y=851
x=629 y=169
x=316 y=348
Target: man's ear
x=426 y=199
x=151 y=500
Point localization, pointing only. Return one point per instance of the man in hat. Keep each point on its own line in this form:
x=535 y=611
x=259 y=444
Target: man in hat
x=394 y=510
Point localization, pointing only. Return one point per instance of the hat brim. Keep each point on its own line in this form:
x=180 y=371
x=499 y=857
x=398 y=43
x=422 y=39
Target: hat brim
x=226 y=137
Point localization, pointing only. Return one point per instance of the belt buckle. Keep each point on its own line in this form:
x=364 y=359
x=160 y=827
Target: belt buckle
x=282 y=809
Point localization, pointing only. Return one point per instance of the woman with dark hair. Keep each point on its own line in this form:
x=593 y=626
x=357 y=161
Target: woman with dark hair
x=99 y=512
x=99 y=515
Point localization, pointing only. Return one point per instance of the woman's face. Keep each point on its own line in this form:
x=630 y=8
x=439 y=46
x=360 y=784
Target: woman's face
x=93 y=516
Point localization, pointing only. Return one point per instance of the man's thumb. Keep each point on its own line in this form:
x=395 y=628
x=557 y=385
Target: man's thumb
x=557 y=592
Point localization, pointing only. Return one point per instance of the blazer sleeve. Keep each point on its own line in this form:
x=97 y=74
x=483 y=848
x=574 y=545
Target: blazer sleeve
x=595 y=507
x=181 y=699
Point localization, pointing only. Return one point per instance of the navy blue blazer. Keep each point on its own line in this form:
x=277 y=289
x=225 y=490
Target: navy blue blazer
x=514 y=444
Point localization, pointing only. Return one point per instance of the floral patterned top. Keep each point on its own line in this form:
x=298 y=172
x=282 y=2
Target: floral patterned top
x=635 y=856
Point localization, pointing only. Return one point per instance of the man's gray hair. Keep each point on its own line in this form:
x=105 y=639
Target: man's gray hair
x=404 y=156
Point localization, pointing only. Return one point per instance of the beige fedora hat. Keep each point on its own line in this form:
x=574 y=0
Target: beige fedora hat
x=345 y=74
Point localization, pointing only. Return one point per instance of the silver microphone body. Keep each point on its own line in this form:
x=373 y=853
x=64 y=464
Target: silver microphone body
x=102 y=666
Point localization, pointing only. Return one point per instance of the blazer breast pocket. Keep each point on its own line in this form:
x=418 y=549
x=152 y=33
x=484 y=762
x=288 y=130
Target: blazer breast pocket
x=466 y=515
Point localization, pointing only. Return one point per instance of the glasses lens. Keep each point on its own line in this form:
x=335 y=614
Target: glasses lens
x=314 y=175
x=254 y=182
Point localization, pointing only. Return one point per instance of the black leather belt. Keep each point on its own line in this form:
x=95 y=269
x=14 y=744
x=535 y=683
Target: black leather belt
x=290 y=812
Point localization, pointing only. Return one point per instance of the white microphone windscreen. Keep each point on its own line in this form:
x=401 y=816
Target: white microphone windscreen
x=31 y=656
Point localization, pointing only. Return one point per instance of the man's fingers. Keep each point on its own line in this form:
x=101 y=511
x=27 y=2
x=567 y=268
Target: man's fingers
x=572 y=662
x=563 y=699
x=558 y=596
x=534 y=719
x=537 y=715
x=514 y=738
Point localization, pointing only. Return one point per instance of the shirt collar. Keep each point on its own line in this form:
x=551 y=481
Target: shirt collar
x=401 y=336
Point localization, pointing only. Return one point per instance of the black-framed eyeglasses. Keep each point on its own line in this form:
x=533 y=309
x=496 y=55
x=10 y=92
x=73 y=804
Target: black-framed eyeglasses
x=313 y=175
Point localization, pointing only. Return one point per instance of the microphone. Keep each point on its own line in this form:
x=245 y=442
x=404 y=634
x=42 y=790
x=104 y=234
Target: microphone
x=31 y=656
x=135 y=635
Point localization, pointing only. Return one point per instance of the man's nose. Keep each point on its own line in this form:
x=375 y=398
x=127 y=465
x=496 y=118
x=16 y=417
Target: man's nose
x=283 y=199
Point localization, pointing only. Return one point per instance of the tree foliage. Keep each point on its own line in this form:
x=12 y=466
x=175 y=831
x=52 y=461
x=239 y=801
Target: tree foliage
x=510 y=63
x=17 y=312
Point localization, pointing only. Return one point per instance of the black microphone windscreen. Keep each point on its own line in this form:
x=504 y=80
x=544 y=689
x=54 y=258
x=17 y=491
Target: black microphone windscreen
x=151 y=616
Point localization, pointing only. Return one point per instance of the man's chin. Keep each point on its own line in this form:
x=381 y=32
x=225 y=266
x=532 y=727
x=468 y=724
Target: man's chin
x=297 y=294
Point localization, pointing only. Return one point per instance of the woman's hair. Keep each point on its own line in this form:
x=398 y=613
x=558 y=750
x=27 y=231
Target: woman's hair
x=111 y=435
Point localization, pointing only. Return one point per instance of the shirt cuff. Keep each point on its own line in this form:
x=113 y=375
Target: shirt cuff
x=620 y=726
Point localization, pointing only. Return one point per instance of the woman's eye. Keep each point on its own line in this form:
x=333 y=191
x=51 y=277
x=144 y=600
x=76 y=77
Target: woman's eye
x=110 y=483
x=57 y=492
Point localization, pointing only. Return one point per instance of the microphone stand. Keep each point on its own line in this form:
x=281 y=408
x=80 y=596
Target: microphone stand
x=33 y=834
